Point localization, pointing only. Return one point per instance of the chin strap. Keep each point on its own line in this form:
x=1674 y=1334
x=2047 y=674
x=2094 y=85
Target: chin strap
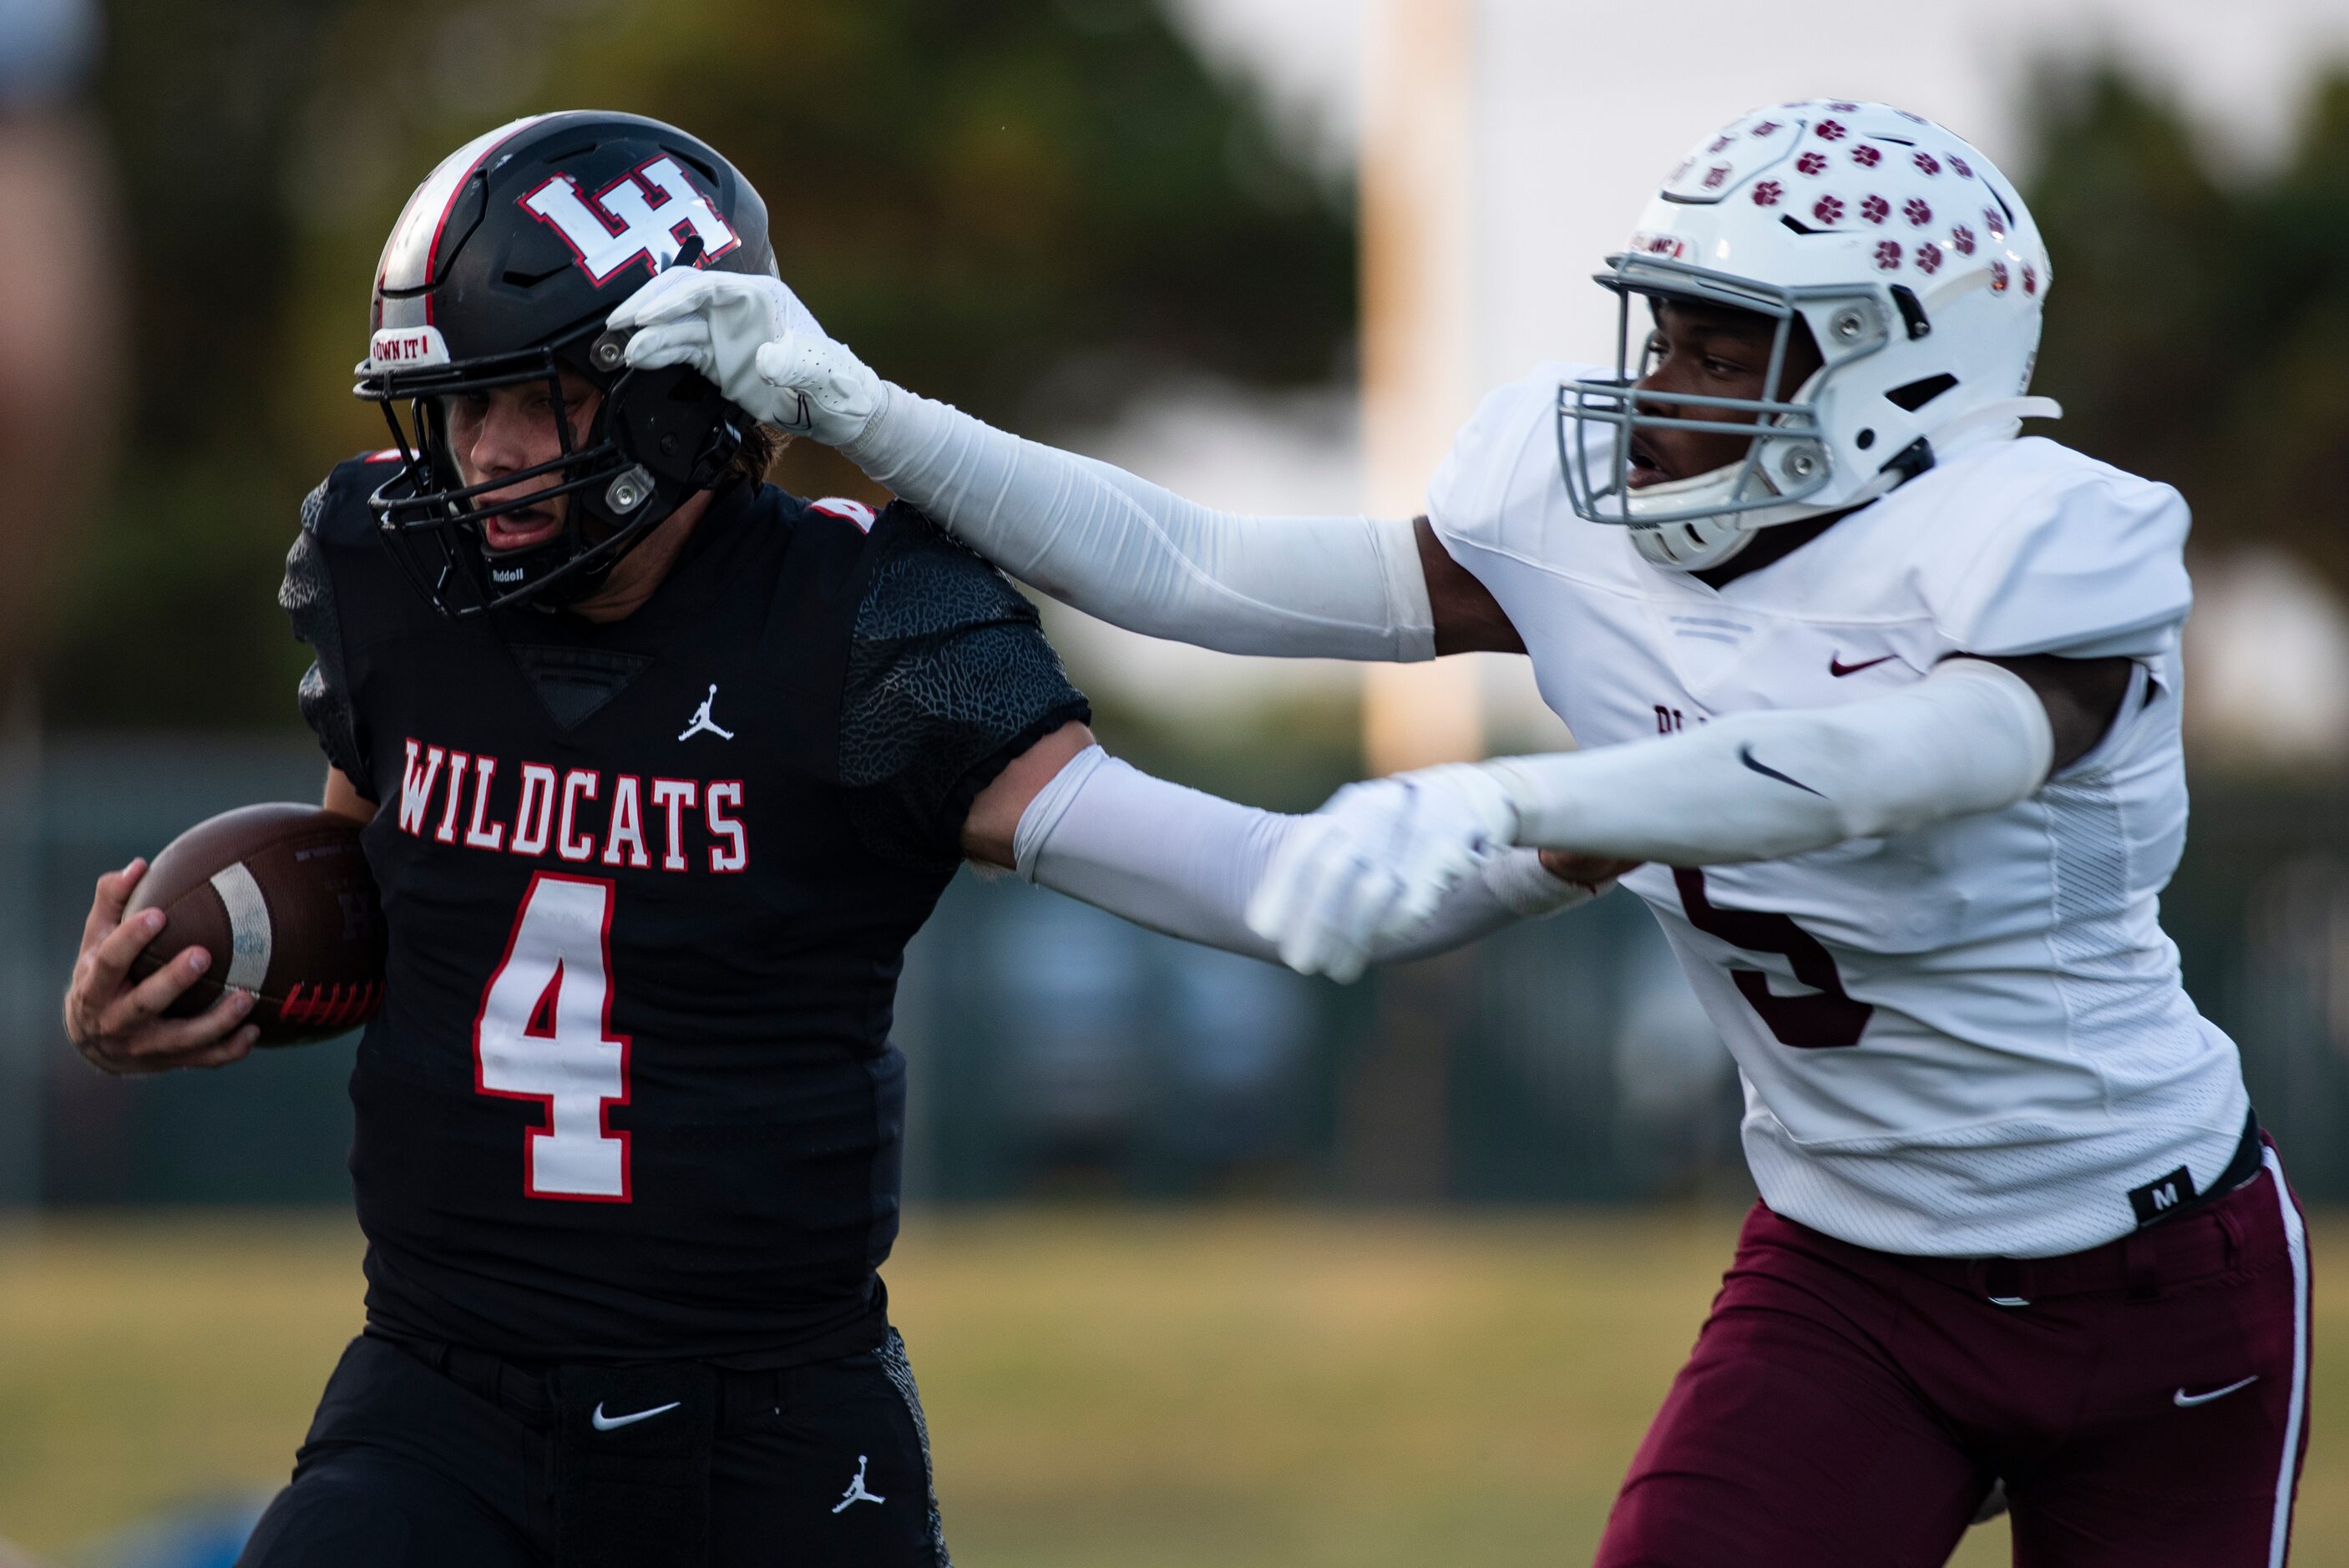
x=1999 y=421
x=1699 y=551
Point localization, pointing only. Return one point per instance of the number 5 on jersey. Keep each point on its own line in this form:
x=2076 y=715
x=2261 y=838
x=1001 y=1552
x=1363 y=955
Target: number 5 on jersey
x=1827 y=1016
x=545 y=1033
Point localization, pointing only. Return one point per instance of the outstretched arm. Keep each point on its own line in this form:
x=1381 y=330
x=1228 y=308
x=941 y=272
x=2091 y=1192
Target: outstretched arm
x=1069 y=816
x=1144 y=558
x=1974 y=735
x=1112 y=546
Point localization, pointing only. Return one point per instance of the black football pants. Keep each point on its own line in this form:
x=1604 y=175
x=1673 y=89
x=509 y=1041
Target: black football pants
x=435 y=1459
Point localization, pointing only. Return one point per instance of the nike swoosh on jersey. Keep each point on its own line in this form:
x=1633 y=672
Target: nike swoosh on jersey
x=1745 y=754
x=1838 y=668
x=604 y=1423
x=2186 y=1401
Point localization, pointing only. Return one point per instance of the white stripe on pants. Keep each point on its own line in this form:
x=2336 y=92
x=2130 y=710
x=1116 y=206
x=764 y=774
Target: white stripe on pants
x=2295 y=1238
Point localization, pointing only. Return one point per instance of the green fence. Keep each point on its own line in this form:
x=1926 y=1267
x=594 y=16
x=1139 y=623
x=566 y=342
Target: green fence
x=1057 y=1050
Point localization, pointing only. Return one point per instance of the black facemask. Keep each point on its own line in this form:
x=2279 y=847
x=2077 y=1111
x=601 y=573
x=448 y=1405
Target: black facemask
x=500 y=272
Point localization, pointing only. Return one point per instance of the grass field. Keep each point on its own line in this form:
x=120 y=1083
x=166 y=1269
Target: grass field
x=1104 y=1385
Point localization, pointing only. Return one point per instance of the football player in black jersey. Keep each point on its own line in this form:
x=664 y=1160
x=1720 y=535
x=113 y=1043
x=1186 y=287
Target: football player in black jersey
x=661 y=769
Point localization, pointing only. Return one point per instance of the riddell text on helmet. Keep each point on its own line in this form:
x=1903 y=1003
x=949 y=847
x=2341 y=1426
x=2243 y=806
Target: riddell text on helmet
x=576 y=814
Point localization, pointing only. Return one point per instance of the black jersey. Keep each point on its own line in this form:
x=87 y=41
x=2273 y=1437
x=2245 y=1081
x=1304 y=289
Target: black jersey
x=648 y=884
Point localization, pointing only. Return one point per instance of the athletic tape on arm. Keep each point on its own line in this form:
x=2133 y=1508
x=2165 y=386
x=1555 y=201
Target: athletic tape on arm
x=1185 y=864
x=1141 y=557
x=1969 y=737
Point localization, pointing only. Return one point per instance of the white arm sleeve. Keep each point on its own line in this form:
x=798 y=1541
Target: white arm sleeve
x=1185 y=864
x=1141 y=557
x=1969 y=737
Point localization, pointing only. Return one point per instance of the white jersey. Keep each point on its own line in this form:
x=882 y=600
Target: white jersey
x=1966 y=1040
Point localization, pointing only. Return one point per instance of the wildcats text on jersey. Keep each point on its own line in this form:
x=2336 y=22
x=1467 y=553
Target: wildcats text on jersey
x=576 y=814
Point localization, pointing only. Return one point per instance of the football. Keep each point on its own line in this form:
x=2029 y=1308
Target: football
x=280 y=895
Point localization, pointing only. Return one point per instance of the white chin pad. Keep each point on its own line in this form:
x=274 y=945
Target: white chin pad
x=1673 y=495
x=1690 y=547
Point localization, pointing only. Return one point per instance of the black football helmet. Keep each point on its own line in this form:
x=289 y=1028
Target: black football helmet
x=501 y=270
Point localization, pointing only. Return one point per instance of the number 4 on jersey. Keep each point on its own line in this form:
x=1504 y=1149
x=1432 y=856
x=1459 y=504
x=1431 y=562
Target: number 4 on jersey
x=545 y=1033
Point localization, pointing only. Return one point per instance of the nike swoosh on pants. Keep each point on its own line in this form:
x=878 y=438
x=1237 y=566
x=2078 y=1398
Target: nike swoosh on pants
x=604 y=1423
x=2186 y=1401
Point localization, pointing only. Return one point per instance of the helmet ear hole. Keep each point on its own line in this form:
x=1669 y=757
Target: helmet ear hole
x=1916 y=394
x=1865 y=439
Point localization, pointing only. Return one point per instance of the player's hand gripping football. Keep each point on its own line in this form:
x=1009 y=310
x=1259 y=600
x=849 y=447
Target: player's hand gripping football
x=753 y=338
x=1374 y=862
x=120 y=1026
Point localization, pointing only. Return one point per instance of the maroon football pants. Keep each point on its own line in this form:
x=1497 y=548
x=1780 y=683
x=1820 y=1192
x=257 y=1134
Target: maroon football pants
x=2145 y=1402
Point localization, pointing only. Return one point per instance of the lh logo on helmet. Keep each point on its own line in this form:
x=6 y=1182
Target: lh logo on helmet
x=647 y=213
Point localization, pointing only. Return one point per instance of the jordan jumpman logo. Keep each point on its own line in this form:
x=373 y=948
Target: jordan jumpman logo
x=703 y=722
x=856 y=1493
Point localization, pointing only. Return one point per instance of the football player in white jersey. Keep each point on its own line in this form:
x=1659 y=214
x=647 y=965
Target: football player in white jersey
x=1905 y=688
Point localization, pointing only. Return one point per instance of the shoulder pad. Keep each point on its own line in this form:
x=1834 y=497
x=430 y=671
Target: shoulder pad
x=2029 y=547
x=925 y=581
x=846 y=510
x=857 y=530
x=860 y=516
x=949 y=678
x=337 y=510
x=1500 y=487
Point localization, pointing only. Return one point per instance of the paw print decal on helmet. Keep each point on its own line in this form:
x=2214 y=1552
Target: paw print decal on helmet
x=1848 y=200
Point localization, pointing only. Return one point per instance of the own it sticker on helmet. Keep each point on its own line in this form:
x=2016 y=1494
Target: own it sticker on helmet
x=407 y=348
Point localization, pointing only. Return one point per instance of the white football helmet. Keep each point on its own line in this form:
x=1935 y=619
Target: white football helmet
x=1911 y=260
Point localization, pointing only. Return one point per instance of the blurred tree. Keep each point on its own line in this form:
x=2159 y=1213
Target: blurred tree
x=2197 y=326
x=1026 y=208
x=2288 y=431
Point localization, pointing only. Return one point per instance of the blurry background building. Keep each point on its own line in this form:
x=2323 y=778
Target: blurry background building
x=1132 y=228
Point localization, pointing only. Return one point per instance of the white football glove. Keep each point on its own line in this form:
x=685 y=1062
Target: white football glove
x=754 y=340
x=1370 y=866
